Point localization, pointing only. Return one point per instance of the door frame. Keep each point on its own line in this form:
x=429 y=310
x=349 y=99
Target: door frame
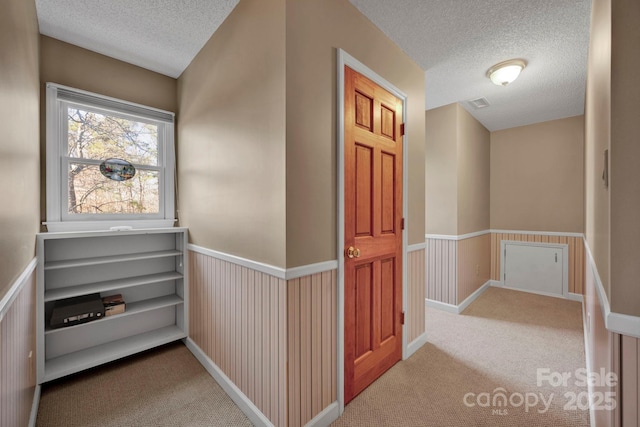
x=343 y=58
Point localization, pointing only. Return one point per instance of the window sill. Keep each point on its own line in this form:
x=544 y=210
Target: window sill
x=56 y=227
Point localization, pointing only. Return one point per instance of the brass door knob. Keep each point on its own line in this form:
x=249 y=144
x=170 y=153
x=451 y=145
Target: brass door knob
x=353 y=252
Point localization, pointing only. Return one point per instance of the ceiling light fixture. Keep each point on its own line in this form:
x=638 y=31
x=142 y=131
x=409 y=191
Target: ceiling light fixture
x=505 y=72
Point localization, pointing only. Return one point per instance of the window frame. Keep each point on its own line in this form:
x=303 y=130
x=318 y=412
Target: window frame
x=58 y=99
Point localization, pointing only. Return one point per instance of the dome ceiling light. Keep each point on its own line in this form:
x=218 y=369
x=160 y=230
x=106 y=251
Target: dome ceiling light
x=505 y=72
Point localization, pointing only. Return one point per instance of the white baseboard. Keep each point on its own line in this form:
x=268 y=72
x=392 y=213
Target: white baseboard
x=449 y=308
x=471 y=298
x=34 y=406
x=252 y=412
x=587 y=355
x=570 y=295
x=416 y=344
x=457 y=309
x=575 y=297
x=326 y=416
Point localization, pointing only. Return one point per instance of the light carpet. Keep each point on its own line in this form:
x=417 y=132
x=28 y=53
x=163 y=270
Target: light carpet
x=162 y=387
x=496 y=346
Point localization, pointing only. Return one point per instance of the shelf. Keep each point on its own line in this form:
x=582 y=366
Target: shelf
x=132 y=308
x=82 y=262
x=94 y=356
x=90 y=288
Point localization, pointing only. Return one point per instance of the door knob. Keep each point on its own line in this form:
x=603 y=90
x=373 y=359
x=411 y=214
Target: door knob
x=353 y=252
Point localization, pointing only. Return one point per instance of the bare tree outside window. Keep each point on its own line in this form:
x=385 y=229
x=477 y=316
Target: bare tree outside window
x=95 y=137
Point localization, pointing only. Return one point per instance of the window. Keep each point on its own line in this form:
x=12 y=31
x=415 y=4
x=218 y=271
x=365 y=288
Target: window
x=110 y=163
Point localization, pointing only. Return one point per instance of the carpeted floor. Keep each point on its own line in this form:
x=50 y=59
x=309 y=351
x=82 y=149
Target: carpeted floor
x=165 y=387
x=495 y=346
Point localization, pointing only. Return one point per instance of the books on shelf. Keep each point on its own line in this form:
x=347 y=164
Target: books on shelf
x=113 y=304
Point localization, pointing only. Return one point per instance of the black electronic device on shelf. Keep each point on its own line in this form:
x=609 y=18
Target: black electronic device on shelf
x=76 y=310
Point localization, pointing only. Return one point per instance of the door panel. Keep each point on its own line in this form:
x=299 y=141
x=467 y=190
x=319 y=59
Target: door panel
x=373 y=214
x=534 y=268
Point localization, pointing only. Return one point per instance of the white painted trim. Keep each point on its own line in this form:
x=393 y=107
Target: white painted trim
x=565 y=264
x=416 y=344
x=457 y=309
x=614 y=322
x=416 y=247
x=471 y=298
x=343 y=58
x=252 y=412
x=449 y=308
x=106 y=225
x=569 y=296
x=574 y=297
x=34 y=406
x=58 y=98
x=538 y=233
x=483 y=232
x=308 y=270
x=326 y=416
x=441 y=236
x=624 y=324
x=278 y=272
x=16 y=287
x=586 y=329
x=457 y=237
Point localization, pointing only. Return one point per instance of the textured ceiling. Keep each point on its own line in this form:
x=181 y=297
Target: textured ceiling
x=456 y=41
x=160 y=35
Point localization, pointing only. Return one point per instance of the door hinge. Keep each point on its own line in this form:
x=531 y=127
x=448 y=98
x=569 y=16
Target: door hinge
x=402 y=318
x=402 y=129
x=402 y=224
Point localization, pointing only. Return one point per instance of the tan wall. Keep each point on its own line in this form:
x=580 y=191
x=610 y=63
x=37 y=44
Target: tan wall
x=231 y=137
x=79 y=68
x=315 y=29
x=537 y=177
x=473 y=174
x=474 y=265
x=624 y=155
x=19 y=143
x=441 y=170
x=597 y=137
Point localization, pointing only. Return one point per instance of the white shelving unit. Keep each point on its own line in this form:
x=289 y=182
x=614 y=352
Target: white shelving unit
x=146 y=266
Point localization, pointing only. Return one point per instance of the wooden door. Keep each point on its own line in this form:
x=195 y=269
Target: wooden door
x=373 y=232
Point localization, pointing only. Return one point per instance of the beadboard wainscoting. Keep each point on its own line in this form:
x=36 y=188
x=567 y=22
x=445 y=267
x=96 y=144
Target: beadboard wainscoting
x=573 y=240
x=19 y=401
x=442 y=270
x=415 y=297
x=273 y=339
x=457 y=268
x=237 y=318
x=612 y=345
x=474 y=260
x=630 y=381
x=312 y=320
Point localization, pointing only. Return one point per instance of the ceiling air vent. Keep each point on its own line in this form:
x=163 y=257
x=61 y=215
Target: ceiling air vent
x=478 y=103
